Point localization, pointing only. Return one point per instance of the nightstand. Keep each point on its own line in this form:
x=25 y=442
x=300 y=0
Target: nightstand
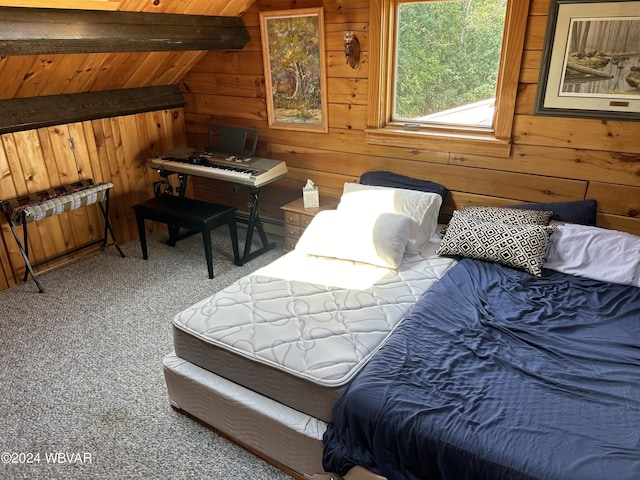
x=296 y=219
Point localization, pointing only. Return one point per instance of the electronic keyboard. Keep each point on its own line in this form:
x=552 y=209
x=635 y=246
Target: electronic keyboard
x=250 y=171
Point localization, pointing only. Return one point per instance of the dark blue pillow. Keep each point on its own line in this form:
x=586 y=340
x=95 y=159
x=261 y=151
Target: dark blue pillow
x=579 y=211
x=389 y=179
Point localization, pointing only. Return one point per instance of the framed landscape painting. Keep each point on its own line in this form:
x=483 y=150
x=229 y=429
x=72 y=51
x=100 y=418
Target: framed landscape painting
x=591 y=60
x=294 y=64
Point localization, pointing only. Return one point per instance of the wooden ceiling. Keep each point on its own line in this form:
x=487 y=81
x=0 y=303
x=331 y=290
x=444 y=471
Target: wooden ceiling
x=25 y=76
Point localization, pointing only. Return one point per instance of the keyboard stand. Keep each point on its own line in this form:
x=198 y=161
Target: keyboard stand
x=253 y=222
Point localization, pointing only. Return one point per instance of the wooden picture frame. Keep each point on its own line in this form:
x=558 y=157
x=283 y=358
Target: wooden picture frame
x=294 y=68
x=590 y=60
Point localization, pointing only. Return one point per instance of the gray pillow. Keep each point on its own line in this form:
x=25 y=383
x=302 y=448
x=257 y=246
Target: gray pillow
x=583 y=212
x=395 y=180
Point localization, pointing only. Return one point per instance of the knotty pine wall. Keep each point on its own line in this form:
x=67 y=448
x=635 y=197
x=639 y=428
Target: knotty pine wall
x=552 y=159
x=114 y=150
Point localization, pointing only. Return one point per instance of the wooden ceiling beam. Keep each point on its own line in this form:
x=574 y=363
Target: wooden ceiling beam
x=37 y=112
x=35 y=31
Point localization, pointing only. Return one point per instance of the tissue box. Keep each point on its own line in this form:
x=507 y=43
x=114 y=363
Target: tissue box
x=310 y=197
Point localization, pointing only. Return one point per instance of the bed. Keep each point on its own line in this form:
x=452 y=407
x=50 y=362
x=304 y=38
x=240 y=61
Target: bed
x=507 y=346
x=506 y=373
x=265 y=359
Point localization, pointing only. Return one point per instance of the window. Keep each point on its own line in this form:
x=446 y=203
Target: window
x=446 y=61
x=420 y=94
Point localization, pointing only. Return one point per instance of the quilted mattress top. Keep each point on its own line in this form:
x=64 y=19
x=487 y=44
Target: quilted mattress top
x=316 y=318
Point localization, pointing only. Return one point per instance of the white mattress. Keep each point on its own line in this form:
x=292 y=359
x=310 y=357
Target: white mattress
x=300 y=329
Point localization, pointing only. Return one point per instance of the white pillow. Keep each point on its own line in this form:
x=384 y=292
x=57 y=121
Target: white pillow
x=367 y=238
x=597 y=253
x=422 y=207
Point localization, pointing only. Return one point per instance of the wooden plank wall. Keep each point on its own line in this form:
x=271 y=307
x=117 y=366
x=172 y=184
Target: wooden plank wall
x=112 y=149
x=552 y=159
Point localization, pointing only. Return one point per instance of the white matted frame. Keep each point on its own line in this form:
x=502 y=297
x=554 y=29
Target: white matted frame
x=591 y=60
x=294 y=67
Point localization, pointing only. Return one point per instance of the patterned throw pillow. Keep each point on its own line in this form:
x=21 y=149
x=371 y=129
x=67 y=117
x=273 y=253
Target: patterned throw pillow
x=512 y=216
x=518 y=246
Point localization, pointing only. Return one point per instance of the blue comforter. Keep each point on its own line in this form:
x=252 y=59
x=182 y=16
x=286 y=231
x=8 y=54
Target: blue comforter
x=496 y=374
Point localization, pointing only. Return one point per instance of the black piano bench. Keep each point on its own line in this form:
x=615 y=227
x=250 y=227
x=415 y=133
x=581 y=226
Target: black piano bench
x=195 y=215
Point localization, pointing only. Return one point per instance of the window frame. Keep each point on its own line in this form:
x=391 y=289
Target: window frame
x=381 y=130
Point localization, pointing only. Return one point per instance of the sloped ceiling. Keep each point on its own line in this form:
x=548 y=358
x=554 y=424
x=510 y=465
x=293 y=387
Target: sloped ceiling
x=25 y=76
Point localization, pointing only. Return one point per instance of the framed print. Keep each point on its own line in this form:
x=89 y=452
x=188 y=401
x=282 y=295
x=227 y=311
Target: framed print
x=294 y=68
x=591 y=62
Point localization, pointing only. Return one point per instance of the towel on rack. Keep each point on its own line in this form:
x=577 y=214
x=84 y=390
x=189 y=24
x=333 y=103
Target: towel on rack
x=66 y=202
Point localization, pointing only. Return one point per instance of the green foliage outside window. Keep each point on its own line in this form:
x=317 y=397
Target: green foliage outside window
x=448 y=54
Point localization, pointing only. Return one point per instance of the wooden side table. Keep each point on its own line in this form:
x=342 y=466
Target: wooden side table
x=297 y=218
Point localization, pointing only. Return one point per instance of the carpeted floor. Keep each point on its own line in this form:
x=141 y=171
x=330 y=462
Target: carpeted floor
x=83 y=395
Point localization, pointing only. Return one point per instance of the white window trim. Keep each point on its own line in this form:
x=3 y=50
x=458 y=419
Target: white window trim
x=381 y=130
